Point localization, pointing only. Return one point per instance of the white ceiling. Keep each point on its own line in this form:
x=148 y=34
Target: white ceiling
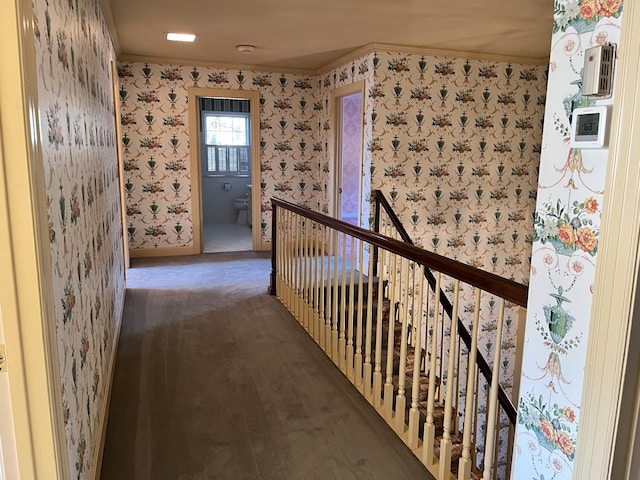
x=308 y=35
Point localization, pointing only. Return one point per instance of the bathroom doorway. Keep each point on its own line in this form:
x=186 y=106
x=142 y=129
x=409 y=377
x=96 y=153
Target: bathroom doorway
x=226 y=161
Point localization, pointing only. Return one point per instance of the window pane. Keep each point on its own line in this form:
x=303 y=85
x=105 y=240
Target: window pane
x=233 y=159
x=222 y=159
x=211 y=159
x=244 y=160
x=211 y=129
x=226 y=130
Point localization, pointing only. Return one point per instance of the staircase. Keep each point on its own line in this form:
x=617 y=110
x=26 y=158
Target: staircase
x=351 y=298
x=377 y=306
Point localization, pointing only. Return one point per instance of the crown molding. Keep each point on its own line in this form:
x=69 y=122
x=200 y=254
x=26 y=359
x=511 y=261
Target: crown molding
x=185 y=62
x=400 y=49
x=368 y=49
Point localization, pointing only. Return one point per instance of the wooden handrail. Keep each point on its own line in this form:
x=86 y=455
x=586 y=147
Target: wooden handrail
x=509 y=290
x=483 y=366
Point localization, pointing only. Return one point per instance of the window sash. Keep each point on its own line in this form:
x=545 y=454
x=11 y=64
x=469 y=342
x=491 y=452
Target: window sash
x=226 y=129
x=227 y=160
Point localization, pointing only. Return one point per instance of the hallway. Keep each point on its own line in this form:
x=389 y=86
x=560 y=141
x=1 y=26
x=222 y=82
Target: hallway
x=215 y=380
x=219 y=238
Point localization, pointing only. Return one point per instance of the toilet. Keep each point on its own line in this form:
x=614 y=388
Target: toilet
x=242 y=206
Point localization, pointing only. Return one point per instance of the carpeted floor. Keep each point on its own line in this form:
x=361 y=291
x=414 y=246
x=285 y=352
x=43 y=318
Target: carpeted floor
x=215 y=380
x=219 y=238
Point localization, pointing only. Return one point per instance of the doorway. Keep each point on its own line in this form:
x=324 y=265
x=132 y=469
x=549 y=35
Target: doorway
x=226 y=210
x=348 y=128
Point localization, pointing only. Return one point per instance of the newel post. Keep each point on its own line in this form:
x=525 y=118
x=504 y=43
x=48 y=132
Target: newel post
x=274 y=246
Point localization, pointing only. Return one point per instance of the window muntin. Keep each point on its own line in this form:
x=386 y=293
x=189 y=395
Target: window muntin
x=226 y=144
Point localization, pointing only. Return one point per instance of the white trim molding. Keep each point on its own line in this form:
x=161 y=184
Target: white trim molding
x=602 y=419
x=26 y=295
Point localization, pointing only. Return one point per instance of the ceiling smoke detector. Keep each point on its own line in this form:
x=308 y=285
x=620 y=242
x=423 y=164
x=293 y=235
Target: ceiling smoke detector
x=246 y=48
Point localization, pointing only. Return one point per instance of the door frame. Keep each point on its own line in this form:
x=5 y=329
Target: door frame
x=26 y=297
x=253 y=96
x=610 y=412
x=123 y=203
x=335 y=163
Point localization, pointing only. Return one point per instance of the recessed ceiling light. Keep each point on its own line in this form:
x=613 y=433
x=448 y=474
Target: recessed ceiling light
x=181 y=37
x=246 y=48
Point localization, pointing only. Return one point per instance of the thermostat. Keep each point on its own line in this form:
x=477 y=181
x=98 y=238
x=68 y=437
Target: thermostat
x=589 y=127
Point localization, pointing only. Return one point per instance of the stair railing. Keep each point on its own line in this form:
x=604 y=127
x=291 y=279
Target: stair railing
x=397 y=230
x=382 y=202
x=363 y=297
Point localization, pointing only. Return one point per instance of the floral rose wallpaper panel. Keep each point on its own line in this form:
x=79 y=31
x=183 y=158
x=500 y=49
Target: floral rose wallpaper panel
x=76 y=108
x=155 y=125
x=565 y=251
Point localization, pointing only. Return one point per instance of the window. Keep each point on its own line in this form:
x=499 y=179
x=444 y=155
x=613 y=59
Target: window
x=226 y=144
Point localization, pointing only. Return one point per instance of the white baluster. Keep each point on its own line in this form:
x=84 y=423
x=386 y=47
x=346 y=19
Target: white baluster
x=388 y=383
x=493 y=398
x=315 y=292
x=367 y=368
x=305 y=275
x=401 y=400
x=350 y=292
x=357 y=358
x=335 y=300
x=329 y=300
x=377 y=369
x=342 y=341
x=464 y=470
x=445 y=443
x=429 y=426
x=414 y=414
x=324 y=285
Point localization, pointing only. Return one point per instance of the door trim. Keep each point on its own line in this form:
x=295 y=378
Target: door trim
x=334 y=154
x=610 y=407
x=26 y=297
x=123 y=203
x=196 y=169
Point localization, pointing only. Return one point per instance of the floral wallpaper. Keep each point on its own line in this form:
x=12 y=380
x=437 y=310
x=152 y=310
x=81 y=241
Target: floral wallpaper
x=76 y=108
x=565 y=251
x=357 y=70
x=156 y=145
x=455 y=145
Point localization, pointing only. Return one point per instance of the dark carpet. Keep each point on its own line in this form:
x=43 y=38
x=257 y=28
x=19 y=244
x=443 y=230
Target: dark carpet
x=215 y=380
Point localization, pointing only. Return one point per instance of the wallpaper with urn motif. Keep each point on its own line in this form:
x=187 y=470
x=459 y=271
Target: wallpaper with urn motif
x=565 y=251
x=455 y=144
x=76 y=114
x=155 y=140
